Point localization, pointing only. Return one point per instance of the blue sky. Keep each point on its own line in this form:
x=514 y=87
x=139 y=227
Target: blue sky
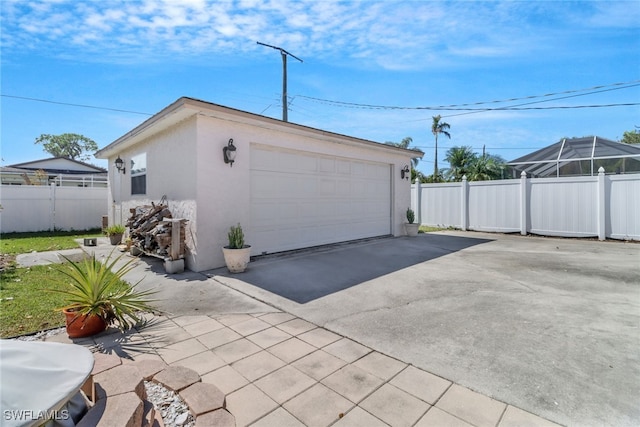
x=140 y=56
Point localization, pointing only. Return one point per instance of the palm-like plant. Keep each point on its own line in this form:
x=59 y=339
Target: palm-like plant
x=405 y=144
x=97 y=289
x=485 y=168
x=437 y=128
x=460 y=159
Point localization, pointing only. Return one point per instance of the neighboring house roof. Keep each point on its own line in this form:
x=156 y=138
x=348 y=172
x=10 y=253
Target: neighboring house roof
x=186 y=107
x=548 y=161
x=58 y=165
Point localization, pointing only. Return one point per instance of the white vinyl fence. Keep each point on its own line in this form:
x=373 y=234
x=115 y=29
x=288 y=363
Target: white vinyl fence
x=40 y=208
x=603 y=206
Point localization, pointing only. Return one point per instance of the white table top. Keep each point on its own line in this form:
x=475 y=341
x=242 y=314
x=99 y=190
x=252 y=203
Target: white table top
x=38 y=378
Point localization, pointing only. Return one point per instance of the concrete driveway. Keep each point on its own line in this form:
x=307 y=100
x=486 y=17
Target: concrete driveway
x=548 y=325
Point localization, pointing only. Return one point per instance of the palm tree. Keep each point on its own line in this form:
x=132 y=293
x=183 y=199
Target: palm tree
x=405 y=144
x=486 y=168
x=438 y=127
x=460 y=159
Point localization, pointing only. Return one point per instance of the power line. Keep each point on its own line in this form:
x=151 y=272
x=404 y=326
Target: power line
x=75 y=105
x=460 y=107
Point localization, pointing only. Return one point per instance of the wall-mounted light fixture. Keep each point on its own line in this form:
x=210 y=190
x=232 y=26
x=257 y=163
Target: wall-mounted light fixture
x=229 y=153
x=120 y=165
x=405 y=172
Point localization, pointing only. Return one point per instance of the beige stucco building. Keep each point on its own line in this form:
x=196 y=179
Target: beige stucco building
x=290 y=186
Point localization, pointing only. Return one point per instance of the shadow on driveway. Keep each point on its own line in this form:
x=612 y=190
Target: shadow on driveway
x=304 y=277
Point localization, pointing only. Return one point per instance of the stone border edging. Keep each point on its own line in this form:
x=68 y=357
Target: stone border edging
x=119 y=396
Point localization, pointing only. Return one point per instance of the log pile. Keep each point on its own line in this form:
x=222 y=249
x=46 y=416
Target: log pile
x=151 y=230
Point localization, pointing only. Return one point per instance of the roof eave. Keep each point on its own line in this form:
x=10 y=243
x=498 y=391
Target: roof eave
x=186 y=107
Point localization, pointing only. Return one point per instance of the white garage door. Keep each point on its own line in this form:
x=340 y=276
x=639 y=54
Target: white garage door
x=301 y=199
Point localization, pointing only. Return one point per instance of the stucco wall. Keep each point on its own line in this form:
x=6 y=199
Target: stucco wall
x=224 y=191
x=185 y=163
x=171 y=171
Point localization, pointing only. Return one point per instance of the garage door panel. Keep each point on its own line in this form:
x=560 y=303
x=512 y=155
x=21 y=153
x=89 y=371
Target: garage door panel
x=327 y=165
x=302 y=199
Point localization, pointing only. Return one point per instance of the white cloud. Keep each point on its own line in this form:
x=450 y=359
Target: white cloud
x=393 y=35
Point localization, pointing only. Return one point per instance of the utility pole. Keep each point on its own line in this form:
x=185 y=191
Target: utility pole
x=283 y=53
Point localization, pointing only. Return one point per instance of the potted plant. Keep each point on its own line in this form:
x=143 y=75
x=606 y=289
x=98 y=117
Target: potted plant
x=115 y=233
x=97 y=297
x=410 y=228
x=236 y=254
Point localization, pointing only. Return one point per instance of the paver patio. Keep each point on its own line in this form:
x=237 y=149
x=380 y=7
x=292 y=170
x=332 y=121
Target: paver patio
x=313 y=378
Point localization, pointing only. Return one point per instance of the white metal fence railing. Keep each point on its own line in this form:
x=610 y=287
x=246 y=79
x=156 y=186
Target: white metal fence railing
x=603 y=206
x=39 y=208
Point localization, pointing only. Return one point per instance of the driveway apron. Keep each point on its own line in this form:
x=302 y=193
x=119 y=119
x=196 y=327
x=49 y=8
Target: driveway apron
x=547 y=325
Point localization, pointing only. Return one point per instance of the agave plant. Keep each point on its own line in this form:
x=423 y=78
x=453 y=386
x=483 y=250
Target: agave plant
x=97 y=289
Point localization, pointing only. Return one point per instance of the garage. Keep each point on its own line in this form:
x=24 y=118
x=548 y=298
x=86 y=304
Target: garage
x=288 y=185
x=301 y=199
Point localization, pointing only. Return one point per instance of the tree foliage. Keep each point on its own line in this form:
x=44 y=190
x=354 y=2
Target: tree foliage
x=437 y=128
x=70 y=145
x=631 y=137
x=405 y=144
x=465 y=162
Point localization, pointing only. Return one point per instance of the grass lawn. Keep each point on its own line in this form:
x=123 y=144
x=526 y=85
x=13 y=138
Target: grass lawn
x=427 y=228
x=26 y=305
x=22 y=243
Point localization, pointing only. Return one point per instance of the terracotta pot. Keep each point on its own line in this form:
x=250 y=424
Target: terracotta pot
x=79 y=326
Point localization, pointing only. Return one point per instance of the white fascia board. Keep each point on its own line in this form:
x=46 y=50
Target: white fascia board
x=184 y=108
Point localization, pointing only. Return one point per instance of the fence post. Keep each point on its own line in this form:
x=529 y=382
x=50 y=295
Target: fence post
x=524 y=208
x=463 y=205
x=602 y=208
x=418 y=205
x=52 y=206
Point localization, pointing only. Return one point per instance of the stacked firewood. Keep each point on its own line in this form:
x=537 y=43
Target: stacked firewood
x=150 y=230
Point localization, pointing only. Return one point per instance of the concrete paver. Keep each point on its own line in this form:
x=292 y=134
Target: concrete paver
x=236 y=350
x=472 y=407
x=296 y=326
x=258 y=365
x=292 y=382
x=226 y=379
x=249 y=404
x=318 y=406
x=347 y=350
x=269 y=337
x=181 y=350
x=249 y=326
x=358 y=417
x=285 y=383
x=421 y=384
x=177 y=377
x=278 y=418
x=380 y=365
x=291 y=349
x=319 y=337
x=219 y=337
x=352 y=382
x=394 y=406
x=203 y=397
x=203 y=327
x=514 y=417
x=319 y=364
x=276 y=318
x=202 y=363
x=438 y=417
